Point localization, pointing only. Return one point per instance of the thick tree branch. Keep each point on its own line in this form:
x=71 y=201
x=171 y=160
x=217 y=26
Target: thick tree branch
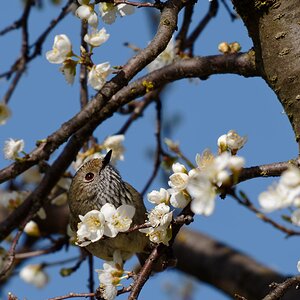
x=225 y=268
x=274 y=29
x=241 y=64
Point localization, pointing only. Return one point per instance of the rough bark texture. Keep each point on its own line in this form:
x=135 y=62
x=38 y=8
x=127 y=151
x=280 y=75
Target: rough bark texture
x=274 y=27
x=227 y=269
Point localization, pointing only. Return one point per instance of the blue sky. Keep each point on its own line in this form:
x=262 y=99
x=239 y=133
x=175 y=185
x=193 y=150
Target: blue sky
x=207 y=110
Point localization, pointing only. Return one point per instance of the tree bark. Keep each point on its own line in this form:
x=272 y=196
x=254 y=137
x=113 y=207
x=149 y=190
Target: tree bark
x=274 y=27
x=226 y=269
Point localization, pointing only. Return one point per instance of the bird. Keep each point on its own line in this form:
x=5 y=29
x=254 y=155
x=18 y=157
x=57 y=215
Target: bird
x=96 y=183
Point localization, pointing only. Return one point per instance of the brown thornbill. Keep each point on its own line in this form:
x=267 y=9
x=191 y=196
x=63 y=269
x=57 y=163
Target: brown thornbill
x=97 y=183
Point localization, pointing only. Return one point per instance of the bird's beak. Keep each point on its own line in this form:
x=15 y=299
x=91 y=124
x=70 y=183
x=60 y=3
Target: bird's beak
x=106 y=159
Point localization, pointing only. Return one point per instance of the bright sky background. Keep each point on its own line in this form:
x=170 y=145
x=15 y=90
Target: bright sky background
x=207 y=109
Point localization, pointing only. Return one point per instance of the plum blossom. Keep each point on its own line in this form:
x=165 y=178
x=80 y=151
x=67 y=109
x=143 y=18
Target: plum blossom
x=91 y=228
x=32 y=229
x=295 y=217
x=179 y=199
x=96 y=37
x=86 y=12
x=12 y=148
x=157 y=197
x=160 y=215
x=114 y=143
x=212 y=173
x=35 y=275
x=98 y=74
x=69 y=70
x=164 y=58
x=231 y=142
x=110 y=276
x=117 y=220
x=283 y=194
x=109 y=11
x=61 y=50
x=157 y=235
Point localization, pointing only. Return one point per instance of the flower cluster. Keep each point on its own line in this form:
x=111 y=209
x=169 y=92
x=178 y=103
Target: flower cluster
x=159 y=218
x=109 y=221
x=284 y=194
x=13 y=199
x=110 y=276
x=199 y=186
x=62 y=52
x=114 y=143
x=108 y=11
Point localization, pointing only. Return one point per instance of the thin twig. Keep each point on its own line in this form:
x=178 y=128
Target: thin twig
x=212 y=12
x=159 y=151
x=56 y=247
x=8 y=264
x=137 y=113
x=20 y=65
x=73 y=295
x=187 y=20
x=244 y=200
x=91 y=274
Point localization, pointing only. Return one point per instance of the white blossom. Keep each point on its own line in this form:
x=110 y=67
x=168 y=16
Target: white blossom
x=204 y=160
x=12 y=199
x=231 y=141
x=34 y=274
x=109 y=11
x=160 y=215
x=12 y=148
x=298 y=266
x=157 y=197
x=108 y=291
x=178 y=181
x=179 y=168
x=32 y=229
x=179 y=199
x=203 y=194
x=98 y=74
x=110 y=276
x=69 y=70
x=160 y=234
x=164 y=58
x=96 y=37
x=61 y=49
x=86 y=12
x=117 y=220
x=283 y=194
x=114 y=143
x=4 y=113
x=290 y=178
x=91 y=228
x=295 y=217
x=276 y=197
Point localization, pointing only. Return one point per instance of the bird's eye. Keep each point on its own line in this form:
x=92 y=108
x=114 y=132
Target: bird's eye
x=89 y=176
